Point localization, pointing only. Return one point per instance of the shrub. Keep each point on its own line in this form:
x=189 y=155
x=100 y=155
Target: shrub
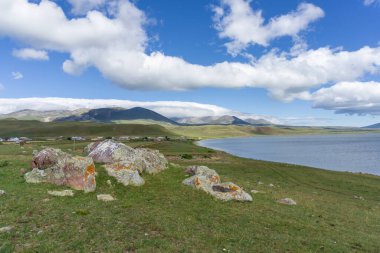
x=187 y=156
x=4 y=163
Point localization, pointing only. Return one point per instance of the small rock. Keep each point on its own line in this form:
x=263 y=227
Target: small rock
x=260 y=183
x=146 y=234
x=45 y=200
x=5 y=229
x=105 y=197
x=63 y=193
x=255 y=191
x=2 y=192
x=271 y=185
x=287 y=201
x=355 y=197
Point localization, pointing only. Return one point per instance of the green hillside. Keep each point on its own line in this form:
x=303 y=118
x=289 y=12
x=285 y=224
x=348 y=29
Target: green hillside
x=33 y=128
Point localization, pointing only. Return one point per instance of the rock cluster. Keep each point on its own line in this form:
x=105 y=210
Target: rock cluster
x=208 y=180
x=125 y=163
x=60 y=168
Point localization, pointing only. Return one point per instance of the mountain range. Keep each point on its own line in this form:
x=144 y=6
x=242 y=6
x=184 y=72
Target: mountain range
x=133 y=114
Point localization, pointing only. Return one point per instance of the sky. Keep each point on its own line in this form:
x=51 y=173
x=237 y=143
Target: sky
x=292 y=62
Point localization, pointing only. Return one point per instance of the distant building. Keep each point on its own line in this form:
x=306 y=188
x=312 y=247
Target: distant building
x=25 y=139
x=124 y=138
x=97 y=138
x=14 y=139
x=78 y=138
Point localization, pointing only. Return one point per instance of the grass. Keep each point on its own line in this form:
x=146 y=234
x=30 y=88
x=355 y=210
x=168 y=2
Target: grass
x=166 y=216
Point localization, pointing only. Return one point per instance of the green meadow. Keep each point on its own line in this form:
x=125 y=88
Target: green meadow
x=335 y=211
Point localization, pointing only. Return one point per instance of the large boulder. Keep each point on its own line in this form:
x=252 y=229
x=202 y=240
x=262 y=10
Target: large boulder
x=61 y=168
x=208 y=180
x=47 y=158
x=141 y=160
x=108 y=151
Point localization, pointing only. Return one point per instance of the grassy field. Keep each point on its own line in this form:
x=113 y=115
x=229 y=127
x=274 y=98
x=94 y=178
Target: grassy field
x=166 y=216
x=31 y=128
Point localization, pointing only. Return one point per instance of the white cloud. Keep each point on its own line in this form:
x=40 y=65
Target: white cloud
x=83 y=6
x=167 y=108
x=371 y=2
x=238 y=22
x=360 y=98
x=1 y=87
x=31 y=54
x=116 y=46
x=17 y=75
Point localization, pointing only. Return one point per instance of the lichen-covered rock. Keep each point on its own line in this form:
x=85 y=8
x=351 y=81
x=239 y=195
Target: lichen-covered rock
x=142 y=160
x=64 y=169
x=124 y=174
x=108 y=151
x=35 y=176
x=149 y=161
x=230 y=191
x=47 y=158
x=208 y=180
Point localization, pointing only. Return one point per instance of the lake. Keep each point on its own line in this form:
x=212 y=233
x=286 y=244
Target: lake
x=340 y=152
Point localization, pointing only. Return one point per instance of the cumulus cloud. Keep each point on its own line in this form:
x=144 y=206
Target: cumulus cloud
x=116 y=45
x=237 y=21
x=167 y=108
x=83 y=6
x=31 y=54
x=361 y=98
x=17 y=75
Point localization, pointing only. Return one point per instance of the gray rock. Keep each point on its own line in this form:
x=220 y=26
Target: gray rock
x=287 y=201
x=64 y=193
x=124 y=174
x=142 y=160
x=5 y=229
x=208 y=180
x=2 y=192
x=105 y=197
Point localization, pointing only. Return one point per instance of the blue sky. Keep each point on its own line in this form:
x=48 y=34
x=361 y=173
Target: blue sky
x=190 y=30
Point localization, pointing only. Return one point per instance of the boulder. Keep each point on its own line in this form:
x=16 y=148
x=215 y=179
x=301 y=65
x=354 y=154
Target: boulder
x=63 y=169
x=47 y=158
x=124 y=174
x=208 y=180
x=141 y=160
x=108 y=151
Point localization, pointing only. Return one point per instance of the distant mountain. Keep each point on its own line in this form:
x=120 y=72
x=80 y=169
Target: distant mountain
x=374 y=126
x=212 y=120
x=112 y=114
x=258 y=122
x=44 y=116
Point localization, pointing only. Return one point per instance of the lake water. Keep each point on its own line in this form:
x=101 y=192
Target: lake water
x=340 y=152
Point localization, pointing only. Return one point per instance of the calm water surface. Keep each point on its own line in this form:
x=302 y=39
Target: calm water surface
x=348 y=152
